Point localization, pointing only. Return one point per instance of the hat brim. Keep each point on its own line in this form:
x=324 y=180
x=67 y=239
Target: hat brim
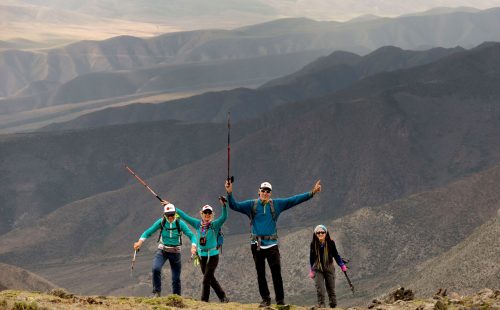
x=169 y=213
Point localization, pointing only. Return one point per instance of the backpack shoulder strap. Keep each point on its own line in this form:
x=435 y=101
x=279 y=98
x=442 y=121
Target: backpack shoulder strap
x=273 y=212
x=162 y=226
x=254 y=209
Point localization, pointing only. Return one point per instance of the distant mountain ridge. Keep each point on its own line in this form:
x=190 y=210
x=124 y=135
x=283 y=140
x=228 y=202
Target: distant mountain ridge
x=274 y=38
x=321 y=77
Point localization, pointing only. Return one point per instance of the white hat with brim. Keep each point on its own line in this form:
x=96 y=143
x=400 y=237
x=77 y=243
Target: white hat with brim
x=169 y=209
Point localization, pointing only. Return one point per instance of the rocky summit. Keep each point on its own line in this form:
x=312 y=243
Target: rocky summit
x=399 y=298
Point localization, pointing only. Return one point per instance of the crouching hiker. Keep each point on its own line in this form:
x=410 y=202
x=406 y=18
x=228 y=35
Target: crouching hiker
x=207 y=231
x=323 y=252
x=169 y=247
x=263 y=213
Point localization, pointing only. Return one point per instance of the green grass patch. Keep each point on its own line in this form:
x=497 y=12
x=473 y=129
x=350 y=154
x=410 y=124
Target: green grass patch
x=21 y=305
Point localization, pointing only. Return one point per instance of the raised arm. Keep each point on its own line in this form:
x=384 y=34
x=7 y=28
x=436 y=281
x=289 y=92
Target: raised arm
x=190 y=220
x=283 y=204
x=244 y=207
x=222 y=218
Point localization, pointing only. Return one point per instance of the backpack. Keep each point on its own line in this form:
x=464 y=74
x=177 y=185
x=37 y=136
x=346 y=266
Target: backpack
x=177 y=226
x=220 y=238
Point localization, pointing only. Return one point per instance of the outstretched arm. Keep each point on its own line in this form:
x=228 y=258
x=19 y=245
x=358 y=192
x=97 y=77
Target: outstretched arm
x=287 y=203
x=190 y=235
x=147 y=233
x=190 y=220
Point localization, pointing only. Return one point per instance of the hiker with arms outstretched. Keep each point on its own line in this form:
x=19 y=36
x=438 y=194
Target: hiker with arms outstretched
x=263 y=213
x=207 y=232
x=322 y=253
x=169 y=247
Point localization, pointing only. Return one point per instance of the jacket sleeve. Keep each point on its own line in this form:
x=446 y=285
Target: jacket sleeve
x=190 y=220
x=244 y=207
x=185 y=229
x=336 y=255
x=312 y=256
x=148 y=232
x=221 y=219
x=282 y=204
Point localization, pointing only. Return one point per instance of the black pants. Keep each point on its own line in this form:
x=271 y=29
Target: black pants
x=272 y=255
x=208 y=267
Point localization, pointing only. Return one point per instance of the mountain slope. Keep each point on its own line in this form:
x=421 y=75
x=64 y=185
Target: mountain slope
x=126 y=52
x=321 y=77
x=15 y=278
x=470 y=264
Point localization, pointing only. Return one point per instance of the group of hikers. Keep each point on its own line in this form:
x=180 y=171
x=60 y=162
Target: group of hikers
x=263 y=213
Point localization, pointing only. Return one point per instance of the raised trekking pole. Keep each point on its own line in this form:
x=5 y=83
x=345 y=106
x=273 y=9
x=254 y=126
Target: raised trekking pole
x=230 y=179
x=143 y=183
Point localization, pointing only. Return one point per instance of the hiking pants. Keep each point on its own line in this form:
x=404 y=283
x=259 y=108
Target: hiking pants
x=272 y=255
x=208 y=265
x=175 y=265
x=322 y=279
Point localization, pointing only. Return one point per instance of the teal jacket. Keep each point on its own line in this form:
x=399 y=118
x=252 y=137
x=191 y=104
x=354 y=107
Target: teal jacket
x=210 y=248
x=169 y=235
x=263 y=223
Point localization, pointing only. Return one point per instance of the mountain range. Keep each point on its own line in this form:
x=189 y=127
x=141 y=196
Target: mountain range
x=408 y=161
x=130 y=65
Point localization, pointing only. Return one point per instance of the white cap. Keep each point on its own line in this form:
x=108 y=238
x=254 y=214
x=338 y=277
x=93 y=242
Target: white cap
x=207 y=207
x=266 y=185
x=169 y=209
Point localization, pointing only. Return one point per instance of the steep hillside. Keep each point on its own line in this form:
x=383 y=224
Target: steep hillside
x=15 y=278
x=470 y=264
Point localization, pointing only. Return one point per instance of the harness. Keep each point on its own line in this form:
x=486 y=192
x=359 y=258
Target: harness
x=177 y=227
x=255 y=238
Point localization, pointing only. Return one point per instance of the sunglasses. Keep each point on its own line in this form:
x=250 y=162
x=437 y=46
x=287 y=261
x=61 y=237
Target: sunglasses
x=265 y=190
x=207 y=212
x=320 y=233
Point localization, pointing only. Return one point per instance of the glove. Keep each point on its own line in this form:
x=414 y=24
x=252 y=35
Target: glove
x=311 y=274
x=344 y=268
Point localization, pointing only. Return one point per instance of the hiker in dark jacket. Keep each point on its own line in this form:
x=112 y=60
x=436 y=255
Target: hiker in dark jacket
x=323 y=252
x=207 y=231
x=169 y=247
x=263 y=213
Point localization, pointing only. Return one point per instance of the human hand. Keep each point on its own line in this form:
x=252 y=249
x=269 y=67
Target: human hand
x=137 y=245
x=344 y=268
x=229 y=187
x=317 y=187
x=311 y=274
x=164 y=202
x=193 y=249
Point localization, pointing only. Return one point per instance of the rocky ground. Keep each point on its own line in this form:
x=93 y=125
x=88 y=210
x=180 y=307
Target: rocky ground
x=397 y=299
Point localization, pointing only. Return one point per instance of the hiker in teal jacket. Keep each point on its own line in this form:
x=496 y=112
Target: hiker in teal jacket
x=207 y=230
x=169 y=247
x=263 y=213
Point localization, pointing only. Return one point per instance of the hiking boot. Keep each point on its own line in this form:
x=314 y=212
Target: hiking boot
x=224 y=299
x=155 y=294
x=280 y=302
x=266 y=302
x=321 y=305
x=333 y=305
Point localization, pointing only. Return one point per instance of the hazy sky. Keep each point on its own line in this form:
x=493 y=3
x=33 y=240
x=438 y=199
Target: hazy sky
x=98 y=19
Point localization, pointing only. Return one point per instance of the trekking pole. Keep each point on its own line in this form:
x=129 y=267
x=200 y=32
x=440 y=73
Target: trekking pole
x=230 y=179
x=142 y=182
x=349 y=281
x=133 y=263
